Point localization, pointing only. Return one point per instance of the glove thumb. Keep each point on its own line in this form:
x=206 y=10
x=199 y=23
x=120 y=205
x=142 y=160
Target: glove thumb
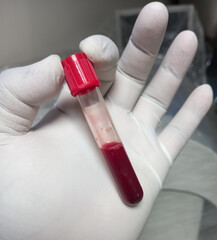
x=24 y=89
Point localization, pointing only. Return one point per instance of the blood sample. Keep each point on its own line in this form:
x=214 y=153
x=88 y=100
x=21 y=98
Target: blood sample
x=84 y=84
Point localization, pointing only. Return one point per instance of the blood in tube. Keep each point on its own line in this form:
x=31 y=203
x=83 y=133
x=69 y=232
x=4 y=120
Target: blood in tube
x=122 y=171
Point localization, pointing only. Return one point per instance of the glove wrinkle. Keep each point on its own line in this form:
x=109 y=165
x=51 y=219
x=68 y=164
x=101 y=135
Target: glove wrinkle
x=14 y=113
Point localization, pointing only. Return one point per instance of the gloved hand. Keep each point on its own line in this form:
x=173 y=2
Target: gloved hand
x=54 y=183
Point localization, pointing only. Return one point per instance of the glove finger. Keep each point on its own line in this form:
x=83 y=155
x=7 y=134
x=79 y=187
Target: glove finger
x=104 y=55
x=24 y=89
x=158 y=95
x=179 y=130
x=139 y=55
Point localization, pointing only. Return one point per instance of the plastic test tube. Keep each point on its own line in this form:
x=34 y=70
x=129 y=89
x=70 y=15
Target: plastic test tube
x=83 y=83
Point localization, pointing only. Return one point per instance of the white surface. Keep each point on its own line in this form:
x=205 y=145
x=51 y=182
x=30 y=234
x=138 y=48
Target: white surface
x=175 y=216
x=195 y=171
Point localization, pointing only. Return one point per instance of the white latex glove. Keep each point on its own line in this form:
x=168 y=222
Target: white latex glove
x=54 y=183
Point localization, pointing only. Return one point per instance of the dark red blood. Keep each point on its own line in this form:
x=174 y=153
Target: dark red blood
x=123 y=173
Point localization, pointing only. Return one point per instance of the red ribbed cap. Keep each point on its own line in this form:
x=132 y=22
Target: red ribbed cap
x=79 y=74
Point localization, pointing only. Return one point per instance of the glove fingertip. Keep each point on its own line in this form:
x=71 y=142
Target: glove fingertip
x=101 y=50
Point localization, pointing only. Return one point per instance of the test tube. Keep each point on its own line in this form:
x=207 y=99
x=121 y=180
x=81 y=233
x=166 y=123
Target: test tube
x=84 y=84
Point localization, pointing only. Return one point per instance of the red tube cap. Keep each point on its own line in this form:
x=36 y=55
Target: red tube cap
x=79 y=73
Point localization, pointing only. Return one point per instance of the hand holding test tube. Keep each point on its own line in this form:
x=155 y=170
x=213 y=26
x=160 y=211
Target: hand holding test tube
x=53 y=185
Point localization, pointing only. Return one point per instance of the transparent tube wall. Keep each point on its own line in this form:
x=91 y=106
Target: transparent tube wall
x=98 y=118
x=111 y=147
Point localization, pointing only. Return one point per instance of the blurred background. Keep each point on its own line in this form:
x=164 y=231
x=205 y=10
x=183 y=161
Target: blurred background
x=31 y=30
